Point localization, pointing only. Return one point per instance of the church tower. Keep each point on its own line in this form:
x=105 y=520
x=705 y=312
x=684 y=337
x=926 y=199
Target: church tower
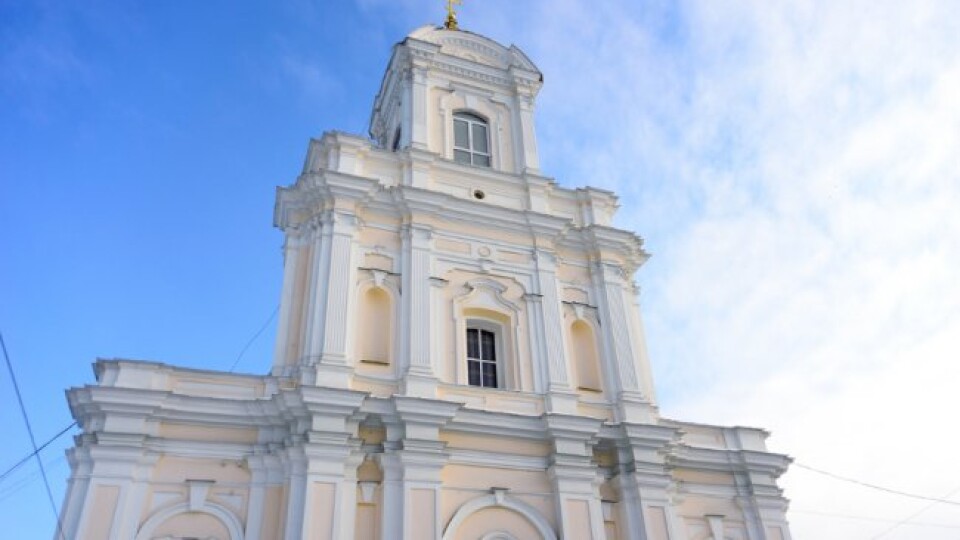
x=459 y=355
x=434 y=259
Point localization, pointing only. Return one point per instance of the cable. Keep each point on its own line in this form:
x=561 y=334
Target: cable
x=27 y=457
x=908 y=520
x=33 y=440
x=254 y=338
x=15 y=487
x=877 y=520
x=874 y=486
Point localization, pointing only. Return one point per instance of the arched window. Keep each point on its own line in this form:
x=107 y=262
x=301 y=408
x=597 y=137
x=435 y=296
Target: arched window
x=471 y=140
x=586 y=360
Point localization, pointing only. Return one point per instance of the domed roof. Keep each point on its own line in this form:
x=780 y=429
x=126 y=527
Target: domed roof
x=474 y=47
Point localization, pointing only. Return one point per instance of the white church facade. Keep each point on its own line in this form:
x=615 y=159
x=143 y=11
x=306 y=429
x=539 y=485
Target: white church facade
x=459 y=355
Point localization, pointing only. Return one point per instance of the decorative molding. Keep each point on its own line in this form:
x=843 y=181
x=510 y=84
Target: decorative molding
x=499 y=499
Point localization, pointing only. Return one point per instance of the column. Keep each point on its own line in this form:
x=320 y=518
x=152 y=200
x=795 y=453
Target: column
x=283 y=351
x=560 y=398
x=266 y=484
x=317 y=293
x=575 y=477
x=528 y=137
x=619 y=358
x=644 y=484
x=412 y=462
x=118 y=479
x=332 y=281
x=418 y=108
x=419 y=377
x=322 y=466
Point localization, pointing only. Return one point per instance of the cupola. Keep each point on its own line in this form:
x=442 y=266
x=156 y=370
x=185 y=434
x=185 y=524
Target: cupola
x=461 y=97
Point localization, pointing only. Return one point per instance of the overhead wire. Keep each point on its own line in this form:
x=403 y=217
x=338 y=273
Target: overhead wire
x=27 y=457
x=33 y=440
x=254 y=338
x=874 y=519
x=909 y=519
x=875 y=486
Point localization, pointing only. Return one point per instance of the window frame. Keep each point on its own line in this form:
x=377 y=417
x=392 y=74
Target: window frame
x=496 y=329
x=472 y=120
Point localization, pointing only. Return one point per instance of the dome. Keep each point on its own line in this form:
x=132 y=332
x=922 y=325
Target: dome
x=474 y=47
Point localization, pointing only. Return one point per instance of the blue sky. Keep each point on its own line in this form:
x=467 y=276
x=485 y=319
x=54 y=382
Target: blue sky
x=792 y=167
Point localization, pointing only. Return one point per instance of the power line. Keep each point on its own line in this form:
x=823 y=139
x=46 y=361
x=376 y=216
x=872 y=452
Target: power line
x=909 y=519
x=876 y=487
x=15 y=487
x=33 y=440
x=254 y=338
x=877 y=520
x=27 y=457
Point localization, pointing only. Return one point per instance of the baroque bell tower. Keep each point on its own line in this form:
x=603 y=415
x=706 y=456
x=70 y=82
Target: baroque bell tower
x=459 y=355
x=393 y=242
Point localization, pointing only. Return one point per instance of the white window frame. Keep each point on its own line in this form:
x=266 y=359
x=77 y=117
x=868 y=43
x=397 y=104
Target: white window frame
x=472 y=119
x=484 y=325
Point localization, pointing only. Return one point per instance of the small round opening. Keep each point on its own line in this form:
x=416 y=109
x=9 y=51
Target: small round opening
x=479 y=195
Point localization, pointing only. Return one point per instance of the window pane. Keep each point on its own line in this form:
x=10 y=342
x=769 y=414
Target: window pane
x=488 y=344
x=481 y=160
x=461 y=136
x=473 y=347
x=489 y=375
x=461 y=156
x=480 y=138
x=473 y=373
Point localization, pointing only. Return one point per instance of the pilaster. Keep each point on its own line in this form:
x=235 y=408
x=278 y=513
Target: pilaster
x=332 y=278
x=560 y=398
x=644 y=482
x=292 y=247
x=619 y=358
x=575 y=476
x=412 y=461
x=322 y=460
x=419 y=378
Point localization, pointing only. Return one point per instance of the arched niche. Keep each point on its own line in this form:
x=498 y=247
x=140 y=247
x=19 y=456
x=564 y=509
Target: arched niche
x=586 y=359
x=375 y=324
x=156 y=523
x=499 y=499
x=582 y=338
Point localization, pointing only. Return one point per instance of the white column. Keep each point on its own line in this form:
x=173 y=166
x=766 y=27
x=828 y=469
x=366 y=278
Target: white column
x=619 y=357
x=413 y=459
x=418 y=108
x=560 y=398
x=332 y=281
x=323 y=467
x=644 y=483
x=538 y=345
x=291 y=263
x=317 y=300
x=419 y=374
x=527 y=135
x=78 y=489
x=575 y=477
x=126 y=469
x=265 y=471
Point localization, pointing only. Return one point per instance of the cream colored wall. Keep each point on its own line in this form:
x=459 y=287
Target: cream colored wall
x=192 y=525
x=103 y=507
x=490 y=520
x=486 y=443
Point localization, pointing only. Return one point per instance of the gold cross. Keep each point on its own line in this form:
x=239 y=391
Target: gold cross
x=451 y=23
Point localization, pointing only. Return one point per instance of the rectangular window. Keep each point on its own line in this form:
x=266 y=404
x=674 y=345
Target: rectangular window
x=471 y=140
x=481 y=358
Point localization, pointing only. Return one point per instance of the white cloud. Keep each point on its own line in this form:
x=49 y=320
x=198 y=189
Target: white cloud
x=794 y=167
